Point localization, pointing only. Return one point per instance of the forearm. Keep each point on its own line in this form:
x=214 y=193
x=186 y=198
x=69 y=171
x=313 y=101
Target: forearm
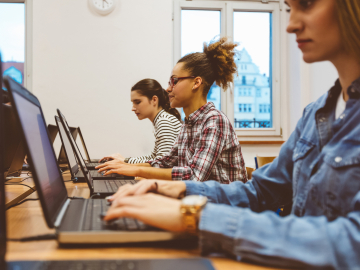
x=141 y=164
x=280 y=242
x=154 y=173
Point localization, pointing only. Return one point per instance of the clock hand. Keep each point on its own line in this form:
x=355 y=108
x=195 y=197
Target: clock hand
x=106 y=2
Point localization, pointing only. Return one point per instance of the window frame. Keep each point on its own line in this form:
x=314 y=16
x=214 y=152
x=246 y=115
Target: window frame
x=278 y=40
x=28 y=78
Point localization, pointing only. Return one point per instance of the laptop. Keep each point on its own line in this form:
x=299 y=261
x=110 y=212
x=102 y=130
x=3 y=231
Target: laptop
x=76 y=221
x=75 y=159
x=53 y=131
x=89 y=165
x=85 y=148
x=164 y=264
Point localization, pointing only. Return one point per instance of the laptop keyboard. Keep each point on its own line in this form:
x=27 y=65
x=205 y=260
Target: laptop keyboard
x=93 y=222
x=92 y=164
x=113 y=185
x=80 y=265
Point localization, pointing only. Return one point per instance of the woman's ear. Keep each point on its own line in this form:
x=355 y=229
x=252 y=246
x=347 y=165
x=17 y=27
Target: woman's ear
x=198 y=82
x=155 y=101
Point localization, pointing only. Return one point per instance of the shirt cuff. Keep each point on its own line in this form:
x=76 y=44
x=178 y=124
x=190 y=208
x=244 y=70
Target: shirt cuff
x=181 y=173
x=195 y=188
x=217 y=228
x=154 y=163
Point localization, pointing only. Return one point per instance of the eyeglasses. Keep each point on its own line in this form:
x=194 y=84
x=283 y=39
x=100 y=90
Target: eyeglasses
x=174 y=80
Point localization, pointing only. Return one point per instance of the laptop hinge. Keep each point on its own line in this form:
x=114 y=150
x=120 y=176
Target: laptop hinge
x=61 y=214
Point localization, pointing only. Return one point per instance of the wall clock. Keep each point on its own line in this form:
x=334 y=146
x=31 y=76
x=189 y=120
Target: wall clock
x=103 y=7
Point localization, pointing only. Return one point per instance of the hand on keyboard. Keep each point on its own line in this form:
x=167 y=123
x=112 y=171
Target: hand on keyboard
x=152 y=209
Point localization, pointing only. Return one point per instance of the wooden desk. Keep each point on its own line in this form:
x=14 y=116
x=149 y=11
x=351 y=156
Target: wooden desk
x=27 y=220
x=16 y=193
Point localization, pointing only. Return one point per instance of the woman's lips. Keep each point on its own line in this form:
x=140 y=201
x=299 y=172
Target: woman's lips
x=303 y=42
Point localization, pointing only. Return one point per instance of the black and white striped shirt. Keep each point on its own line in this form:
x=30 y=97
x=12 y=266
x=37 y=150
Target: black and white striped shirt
x=166 y=130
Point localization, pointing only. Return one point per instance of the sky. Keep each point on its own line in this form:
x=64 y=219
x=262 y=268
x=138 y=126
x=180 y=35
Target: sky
x=12 y=32
x=251 y=30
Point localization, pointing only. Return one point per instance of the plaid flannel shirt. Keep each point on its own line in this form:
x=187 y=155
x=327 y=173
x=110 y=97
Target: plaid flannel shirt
x=206 y=148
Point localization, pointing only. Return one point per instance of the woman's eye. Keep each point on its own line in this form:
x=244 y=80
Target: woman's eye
x=288 y=10
x=305 y=3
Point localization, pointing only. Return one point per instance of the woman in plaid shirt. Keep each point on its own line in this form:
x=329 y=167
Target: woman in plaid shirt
x=207 y=147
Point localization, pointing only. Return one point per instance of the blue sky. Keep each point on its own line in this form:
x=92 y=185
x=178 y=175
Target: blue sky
x=12 y=32
x=251 y=30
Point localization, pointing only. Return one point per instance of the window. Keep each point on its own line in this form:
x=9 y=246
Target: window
x=13 y=44
x=12 y=40
x=258 y=60
x=258 y=93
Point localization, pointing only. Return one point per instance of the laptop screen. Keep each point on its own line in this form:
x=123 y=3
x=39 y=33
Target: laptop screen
x=48 y=180
x=76 y=148
x=2 y=186
x=67 y=146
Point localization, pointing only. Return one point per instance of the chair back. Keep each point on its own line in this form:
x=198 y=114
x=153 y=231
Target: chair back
x=261 y=161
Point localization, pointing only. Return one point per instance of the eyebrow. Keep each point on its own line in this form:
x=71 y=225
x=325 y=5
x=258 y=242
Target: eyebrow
x=286 y=3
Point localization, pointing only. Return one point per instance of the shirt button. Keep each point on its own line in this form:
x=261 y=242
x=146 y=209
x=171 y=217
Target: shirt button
x=342 y=116
x=338 y=159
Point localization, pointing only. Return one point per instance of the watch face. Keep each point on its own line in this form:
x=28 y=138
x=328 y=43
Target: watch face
x=194 y=200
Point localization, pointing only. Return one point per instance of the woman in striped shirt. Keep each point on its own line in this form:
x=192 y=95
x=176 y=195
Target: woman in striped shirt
x=151 y=101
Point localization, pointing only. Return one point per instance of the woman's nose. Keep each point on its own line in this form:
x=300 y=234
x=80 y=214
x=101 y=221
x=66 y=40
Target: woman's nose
x=295 y=23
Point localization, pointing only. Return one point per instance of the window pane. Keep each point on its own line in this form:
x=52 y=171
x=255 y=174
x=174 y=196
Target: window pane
x=197 y=27
x=254 y=69
x=12 y=40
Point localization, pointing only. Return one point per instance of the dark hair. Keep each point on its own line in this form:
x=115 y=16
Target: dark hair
x=215 y=64
x=150 y=88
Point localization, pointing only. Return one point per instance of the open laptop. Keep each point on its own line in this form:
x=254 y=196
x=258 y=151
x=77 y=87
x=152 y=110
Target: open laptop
x=164 y=264
x=89 y=165
x=75 y=221
x=53 y=131
x=85 y=148
x=76 y=160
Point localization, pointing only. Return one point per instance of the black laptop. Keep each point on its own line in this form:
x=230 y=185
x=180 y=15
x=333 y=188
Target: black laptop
x=90 y=160
x=53 y=131
x=76 y=221
x=76 y=160
x=49 y=176
x=90 y=165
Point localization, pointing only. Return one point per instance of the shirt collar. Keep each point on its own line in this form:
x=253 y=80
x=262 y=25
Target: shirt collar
x=334 y=92
x=157 y=116
x=193 y=117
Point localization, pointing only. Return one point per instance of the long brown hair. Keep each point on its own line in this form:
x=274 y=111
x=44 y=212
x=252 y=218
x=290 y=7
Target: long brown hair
x=150 y=88
x=348 y=13
x=215 y=64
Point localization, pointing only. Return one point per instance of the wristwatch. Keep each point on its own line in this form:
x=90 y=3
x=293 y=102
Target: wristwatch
x=190 y=209
x=126 y=160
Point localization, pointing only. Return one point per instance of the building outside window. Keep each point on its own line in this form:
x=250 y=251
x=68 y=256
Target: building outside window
x=255 y=25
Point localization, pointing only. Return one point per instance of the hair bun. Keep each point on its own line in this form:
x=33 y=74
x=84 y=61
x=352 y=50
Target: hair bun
x=221 y=54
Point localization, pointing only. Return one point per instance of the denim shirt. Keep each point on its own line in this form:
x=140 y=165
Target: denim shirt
x=318 y=173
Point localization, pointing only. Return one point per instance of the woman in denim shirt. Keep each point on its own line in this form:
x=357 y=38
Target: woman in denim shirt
x=317 y=171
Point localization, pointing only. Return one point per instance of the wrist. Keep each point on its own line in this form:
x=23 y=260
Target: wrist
x=126 y=160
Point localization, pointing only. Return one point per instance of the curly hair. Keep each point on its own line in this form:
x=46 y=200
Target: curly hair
x=348 y=15
x=215 y=64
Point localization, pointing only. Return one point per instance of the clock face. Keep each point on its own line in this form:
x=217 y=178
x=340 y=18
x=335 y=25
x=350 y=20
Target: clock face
x=103 y=7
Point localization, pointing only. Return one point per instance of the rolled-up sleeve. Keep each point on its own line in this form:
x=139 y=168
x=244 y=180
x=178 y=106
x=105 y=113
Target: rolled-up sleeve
x=292 y=241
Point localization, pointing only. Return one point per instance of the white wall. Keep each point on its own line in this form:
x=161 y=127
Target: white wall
x=85 y=64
